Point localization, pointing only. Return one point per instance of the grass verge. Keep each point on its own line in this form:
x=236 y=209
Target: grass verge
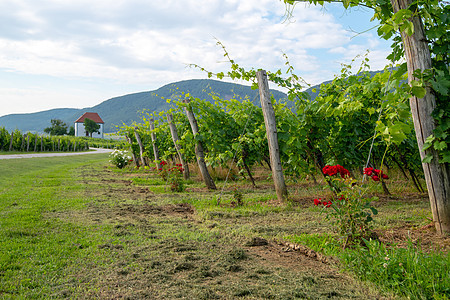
x=74 y=227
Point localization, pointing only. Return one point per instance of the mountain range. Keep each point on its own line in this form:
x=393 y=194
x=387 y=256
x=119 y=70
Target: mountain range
x=127 y=109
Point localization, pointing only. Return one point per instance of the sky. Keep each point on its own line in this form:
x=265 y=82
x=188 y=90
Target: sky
x=79 y=53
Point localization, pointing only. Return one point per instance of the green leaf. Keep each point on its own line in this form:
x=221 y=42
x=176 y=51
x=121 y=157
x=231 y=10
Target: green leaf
x=408 y=27
x=440 y=145
x=402 y=69
x=427 y=159
x=428 y=142
x=441 y=85
x=419 y=91
x=445 y=157
x=398 y=132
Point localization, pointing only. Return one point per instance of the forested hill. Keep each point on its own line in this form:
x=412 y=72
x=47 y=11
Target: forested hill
x=126 y=109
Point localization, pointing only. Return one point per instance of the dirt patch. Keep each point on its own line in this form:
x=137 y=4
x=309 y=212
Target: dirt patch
x=424 y=237
x=409 y=198
x=148 y=209
x=292 y=256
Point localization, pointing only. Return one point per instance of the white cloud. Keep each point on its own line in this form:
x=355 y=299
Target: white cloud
x=148 y=43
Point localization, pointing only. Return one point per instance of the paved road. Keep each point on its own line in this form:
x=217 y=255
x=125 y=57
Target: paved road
x=30 y=155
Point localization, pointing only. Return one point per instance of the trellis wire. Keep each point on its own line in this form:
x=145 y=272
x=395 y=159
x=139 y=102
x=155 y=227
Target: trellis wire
x=379 y=117
x=235 y=153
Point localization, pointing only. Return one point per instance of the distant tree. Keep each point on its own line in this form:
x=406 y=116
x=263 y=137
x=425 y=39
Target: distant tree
x=90 y=126
x=71 y=131
x=58 y=127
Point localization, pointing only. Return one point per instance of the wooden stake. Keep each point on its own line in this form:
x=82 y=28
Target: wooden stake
x=35 y=143
x=174 y=133
x=437 y=175
x=132 y=151
x=153 y=136
x=272 y=138
x=11 y=142
x=199 y=150
x=141 y=146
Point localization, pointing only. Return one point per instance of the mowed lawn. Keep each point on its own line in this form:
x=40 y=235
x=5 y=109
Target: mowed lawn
x=75 y=227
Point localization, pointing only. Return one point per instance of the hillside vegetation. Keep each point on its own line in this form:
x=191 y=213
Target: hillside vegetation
x=126 y=109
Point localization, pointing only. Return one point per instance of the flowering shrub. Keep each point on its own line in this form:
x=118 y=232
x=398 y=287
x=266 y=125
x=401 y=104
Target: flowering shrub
x=375 y=174
x=173 y=175
x=337 y=169
x=120 y=158
x=163 y=169
x=350 y=211
x=175 y=178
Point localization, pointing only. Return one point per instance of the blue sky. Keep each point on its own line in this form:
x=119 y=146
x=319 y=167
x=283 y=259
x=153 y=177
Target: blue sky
x=78 y=53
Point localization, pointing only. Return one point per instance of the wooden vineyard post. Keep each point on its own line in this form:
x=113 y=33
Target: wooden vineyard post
x=11 y=142
x=22 y=146
x=437 y=175
x=132 y=152
x=141 y=146
x=153 y=136
x=28 y=142
x=272 y=138
x=174 y=133
x=199 y=150
x=35 y=143
x=42 y=143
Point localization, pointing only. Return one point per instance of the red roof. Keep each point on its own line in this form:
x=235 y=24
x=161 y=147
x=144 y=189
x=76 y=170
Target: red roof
x=90 y=115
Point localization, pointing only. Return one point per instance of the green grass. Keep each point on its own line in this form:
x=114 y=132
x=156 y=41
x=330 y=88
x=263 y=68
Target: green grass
x=74 y=227
x=35 y=250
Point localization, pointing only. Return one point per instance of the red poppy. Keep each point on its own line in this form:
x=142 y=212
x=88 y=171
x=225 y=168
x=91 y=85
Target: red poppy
x=317 y=201
x=375 y=178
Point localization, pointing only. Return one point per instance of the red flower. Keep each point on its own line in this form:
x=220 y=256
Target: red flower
x=375 y=178
x=317 y=201
x=384 y=176
x=329 y=170
x=328 y=204
x=337 y=169
x=368 y=171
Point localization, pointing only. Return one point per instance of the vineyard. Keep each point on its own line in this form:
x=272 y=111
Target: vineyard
x=31 y=142
x=338 y=127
